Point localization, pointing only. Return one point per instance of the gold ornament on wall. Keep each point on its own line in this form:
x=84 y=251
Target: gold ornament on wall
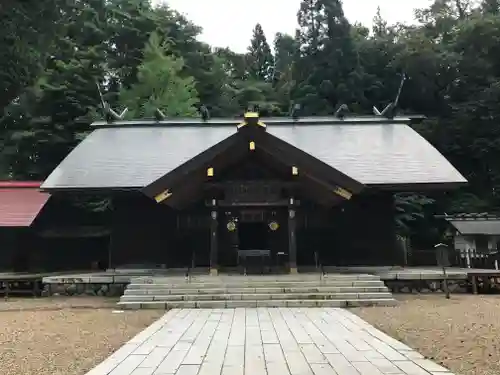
x=273 y=225
x=231 y=226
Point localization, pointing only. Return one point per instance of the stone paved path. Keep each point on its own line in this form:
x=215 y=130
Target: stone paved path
x=258 y=341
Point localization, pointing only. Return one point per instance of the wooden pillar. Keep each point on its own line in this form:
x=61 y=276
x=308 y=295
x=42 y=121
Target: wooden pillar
x=110 y=250
x=292 y=234
x=113 y=231
x=214 y=240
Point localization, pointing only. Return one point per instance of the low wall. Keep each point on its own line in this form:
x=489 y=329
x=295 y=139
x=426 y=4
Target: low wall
x=84 y=289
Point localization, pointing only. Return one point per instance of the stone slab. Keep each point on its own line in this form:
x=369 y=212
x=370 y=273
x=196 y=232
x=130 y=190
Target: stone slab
x=146 y=276
x=268 y=341
x=254 y=297
x=162 y=305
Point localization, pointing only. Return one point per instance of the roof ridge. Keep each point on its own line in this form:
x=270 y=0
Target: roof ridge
x=272 y=121
x=11 y=184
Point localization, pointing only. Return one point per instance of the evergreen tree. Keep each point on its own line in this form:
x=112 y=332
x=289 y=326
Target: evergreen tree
x=28 y=31
x=53 y=52
x=64 y=93
x=160 y=84
x=490 y=6
x=130 y=23
x=379 y=25
x=285 y=52
x=260 y=58
x=327 y=71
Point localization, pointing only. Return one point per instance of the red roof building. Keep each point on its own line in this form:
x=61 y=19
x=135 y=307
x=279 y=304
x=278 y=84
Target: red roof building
x=20 y=203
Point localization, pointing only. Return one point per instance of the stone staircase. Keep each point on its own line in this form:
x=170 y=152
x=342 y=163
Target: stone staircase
x=302 y=290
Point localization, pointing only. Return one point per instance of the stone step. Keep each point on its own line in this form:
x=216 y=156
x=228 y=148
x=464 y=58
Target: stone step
x=256 y=297
x=162 y=305
x=271 y=290
x=256 y=284
x=258 y=278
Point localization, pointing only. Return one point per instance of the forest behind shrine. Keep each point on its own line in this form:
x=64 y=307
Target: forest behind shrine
x=146 y=57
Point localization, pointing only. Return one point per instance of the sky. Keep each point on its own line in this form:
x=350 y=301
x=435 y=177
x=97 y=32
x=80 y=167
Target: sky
x=229 y=23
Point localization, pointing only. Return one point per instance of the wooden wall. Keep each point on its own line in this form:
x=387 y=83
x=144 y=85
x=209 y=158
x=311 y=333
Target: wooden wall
x=145 y=232
x=359 y=232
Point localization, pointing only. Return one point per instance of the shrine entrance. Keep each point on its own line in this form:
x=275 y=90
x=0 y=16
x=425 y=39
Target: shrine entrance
x=253 y=235
x=252 y=184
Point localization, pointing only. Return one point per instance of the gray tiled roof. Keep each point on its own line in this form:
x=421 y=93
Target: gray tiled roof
x=129 y=157
x=491 y=227
x=373 y=153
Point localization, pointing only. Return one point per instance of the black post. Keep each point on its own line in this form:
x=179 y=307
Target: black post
x=110 y=250
x=214 y=241
x=443 y=261
x=111 y=235
x=292 y=241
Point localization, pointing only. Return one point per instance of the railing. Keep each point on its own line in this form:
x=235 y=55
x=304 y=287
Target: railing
x=191 y=267
x=319 y=266
x=465 y=258
x=472 y=258
x=264 y=255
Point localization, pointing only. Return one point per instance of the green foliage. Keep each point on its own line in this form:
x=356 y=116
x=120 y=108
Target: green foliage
x=490 y=6
x=260 y=58
x=160 y=85
x=52 y=53
x=327 y=69
x=27 y=30
x=410 y=207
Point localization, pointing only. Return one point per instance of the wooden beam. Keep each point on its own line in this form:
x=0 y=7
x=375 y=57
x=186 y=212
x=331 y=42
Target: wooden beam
x=163 y=196
x=343 y=193
x=332 y=188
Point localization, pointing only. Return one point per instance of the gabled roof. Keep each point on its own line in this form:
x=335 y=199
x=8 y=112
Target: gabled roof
x=475 y=223
x=133 y=154
x=20 y=203
x=131 y=157
x=330 y=186
x=471 y=227
x=374 y=154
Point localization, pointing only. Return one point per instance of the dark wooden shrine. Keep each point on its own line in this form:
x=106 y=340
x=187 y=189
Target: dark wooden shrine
x=287 y=193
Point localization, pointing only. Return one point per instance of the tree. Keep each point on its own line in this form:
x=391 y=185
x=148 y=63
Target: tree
x=285 y=52
x=28 y=30
x=54 y=51
x=380 y=28
x=328 y=70
x=235 y=64
x=490 y=6
x=46 y=122
x=160 y=84
x=130 y=23
x=260 y=58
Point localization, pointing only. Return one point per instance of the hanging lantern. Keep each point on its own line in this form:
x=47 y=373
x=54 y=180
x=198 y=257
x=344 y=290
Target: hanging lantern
x=231 y=226
x=273 y=225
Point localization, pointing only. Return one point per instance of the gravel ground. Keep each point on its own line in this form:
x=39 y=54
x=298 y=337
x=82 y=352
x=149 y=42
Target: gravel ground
x=71 y=335
x=64 y=336
x=462 y=334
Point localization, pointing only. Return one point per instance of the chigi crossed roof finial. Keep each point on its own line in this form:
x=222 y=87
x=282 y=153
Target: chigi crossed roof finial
x=159 y=115
x=251 y=116
x=390 y=110
x=109 y=114
x=341 y=111
x=204 y=112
